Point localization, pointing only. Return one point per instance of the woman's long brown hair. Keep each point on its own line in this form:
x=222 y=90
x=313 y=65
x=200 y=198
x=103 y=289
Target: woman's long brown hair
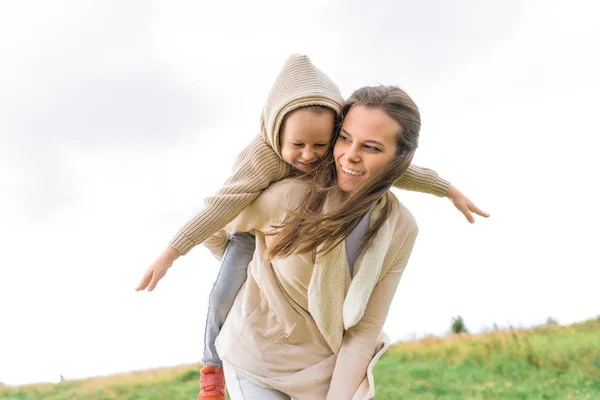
x=307 y=227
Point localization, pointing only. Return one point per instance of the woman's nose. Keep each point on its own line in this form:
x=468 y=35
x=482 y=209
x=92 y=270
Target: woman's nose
x=352 y=154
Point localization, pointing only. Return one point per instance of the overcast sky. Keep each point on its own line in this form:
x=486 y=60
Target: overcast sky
x=118 y=118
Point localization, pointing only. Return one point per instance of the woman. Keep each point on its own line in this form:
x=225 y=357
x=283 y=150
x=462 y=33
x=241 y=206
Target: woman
x=307 y=323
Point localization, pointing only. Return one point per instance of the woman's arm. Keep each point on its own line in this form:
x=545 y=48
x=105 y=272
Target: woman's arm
x=360 y=341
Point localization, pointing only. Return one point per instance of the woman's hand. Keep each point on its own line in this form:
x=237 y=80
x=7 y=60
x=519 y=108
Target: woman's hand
x=158 y=269
x=464 y=205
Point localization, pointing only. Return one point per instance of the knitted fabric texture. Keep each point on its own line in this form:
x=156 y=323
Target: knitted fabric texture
x=299 y=84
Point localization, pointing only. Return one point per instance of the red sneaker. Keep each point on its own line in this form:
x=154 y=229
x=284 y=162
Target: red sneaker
x=212 y=384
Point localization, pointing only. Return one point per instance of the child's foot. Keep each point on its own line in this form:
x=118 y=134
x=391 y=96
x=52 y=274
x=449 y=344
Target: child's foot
x=212 y=384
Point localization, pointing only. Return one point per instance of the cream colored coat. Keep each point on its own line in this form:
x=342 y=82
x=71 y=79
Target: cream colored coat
x=302 y=325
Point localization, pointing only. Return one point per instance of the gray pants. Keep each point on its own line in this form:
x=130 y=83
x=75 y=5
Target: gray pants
x=240 y=388
x=233 y=273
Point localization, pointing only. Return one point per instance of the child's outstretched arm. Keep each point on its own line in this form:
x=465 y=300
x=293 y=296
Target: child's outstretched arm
x=425 y=180
x=464 y=205
x=256 y=168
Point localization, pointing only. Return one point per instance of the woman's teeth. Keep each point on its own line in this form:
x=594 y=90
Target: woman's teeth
x=352 y=172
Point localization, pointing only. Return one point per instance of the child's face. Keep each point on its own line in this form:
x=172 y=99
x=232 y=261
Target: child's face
x=306 y=137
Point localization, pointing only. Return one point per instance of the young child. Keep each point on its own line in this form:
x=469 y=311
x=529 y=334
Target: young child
x=297 y=126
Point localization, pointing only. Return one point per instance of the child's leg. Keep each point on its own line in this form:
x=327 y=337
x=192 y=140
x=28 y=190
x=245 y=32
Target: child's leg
x=233 y=273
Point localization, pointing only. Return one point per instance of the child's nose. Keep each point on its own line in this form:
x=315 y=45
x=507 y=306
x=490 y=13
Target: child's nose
x=309 y=154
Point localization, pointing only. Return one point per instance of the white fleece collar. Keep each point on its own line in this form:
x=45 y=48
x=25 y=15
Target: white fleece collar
x=334 y=310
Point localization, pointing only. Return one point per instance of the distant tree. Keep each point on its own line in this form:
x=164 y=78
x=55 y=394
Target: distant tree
x=458 y=325
x=62 y=378
x=551 y=321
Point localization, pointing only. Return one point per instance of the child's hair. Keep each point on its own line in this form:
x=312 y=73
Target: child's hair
x=318 y=109
x=315 y=108
x=306 y=228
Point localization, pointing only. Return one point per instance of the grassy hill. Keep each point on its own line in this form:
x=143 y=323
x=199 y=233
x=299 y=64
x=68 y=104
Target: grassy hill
x=554 y=362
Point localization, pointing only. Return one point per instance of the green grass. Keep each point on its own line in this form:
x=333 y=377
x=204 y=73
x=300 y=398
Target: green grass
x=546 y=363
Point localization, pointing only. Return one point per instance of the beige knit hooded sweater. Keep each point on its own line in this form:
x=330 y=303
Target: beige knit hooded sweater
x=301 y=324
x=299 y=84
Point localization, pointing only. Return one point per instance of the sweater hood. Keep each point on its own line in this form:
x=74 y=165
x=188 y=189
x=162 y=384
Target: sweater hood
x=299 y=84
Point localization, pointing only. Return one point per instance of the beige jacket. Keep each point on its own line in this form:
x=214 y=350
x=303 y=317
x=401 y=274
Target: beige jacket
x=299 y=84
x=302 y=325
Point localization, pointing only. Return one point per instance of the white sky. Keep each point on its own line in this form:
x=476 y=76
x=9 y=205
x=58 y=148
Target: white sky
x=118 y=118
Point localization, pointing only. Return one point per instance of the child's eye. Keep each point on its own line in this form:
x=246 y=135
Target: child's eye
x=298 y=145
x=320 y=145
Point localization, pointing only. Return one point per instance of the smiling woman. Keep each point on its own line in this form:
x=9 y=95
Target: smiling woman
x=377 y=141
x=368 y=150
x=380 y=128
x=307 y=323
x=313 y=216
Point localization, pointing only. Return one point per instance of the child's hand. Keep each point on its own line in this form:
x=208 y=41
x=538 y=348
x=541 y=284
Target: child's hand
x=464 y=205
x=158 y=269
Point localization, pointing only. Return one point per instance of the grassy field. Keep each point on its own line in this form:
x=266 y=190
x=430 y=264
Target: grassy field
x=553 y=362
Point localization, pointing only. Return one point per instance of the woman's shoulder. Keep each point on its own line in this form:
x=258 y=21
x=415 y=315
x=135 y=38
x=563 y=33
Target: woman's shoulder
x=289 y=186
x=267 y=209
x=404 y=219
x=287 y=193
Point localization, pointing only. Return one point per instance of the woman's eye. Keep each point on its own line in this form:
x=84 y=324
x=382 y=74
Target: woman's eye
x=344 y=138
x=372 y=148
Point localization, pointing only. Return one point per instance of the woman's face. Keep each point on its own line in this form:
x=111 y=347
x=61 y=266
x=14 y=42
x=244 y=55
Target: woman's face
x=367 y=143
